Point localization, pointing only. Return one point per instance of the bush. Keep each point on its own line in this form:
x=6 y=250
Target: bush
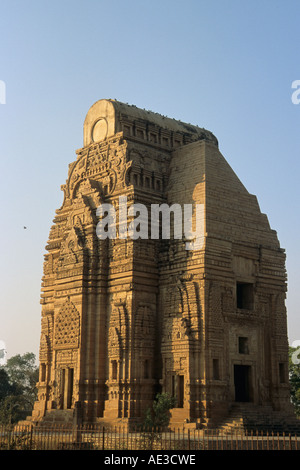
x=159 y=416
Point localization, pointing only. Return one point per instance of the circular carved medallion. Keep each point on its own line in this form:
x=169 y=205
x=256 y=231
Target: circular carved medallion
x=99 y=131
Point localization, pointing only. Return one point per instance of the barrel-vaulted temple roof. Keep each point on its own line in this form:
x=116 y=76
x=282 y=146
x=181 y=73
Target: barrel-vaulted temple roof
x=106 y=117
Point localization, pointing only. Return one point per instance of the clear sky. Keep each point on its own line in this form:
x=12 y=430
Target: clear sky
x=226 y=65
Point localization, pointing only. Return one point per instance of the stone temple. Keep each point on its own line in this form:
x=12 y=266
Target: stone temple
x=125 y=318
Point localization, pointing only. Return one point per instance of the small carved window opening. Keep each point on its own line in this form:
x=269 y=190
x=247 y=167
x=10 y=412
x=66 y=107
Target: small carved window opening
x=114 y=370
x=216 y=369
x=282 y=379
x=140 y=133
x=127 y=130
x=243 y=345
x=153 y=138
x=43 y=372
x=244 y=295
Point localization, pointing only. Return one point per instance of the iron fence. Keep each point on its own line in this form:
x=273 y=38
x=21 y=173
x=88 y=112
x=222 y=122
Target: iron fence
x=100 y=438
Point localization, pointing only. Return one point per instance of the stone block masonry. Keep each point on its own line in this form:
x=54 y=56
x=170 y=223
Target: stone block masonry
x=123 y=318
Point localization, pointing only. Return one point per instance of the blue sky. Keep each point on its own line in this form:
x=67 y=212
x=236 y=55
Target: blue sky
x=225 y=65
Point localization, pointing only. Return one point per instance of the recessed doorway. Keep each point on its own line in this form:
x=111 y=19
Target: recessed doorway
x=178 y=390
x=242 y=383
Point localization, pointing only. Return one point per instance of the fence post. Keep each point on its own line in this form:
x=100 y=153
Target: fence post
x=77 y=422
x=30 y=441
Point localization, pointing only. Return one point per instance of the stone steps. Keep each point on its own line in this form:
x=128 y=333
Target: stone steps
x=258 y=419
x=57 y=417
x=179 y=420
x=178 y=417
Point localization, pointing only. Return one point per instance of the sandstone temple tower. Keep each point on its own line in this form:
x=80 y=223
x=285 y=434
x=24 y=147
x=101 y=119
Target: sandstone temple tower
x=124 y=318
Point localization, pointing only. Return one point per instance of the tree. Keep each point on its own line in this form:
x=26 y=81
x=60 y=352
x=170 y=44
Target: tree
x=159 y=416
x=18 y=392
x=6 y=389
x=10 y=409
x=23 y=373
x=294 y=377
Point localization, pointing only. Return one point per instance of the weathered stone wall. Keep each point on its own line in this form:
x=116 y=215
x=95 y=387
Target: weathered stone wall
x=123 y=319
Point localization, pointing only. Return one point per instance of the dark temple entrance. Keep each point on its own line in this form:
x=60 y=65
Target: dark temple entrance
x=242 y=383
x=178 y=389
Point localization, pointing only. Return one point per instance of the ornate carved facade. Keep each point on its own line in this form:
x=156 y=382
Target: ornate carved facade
x=124 y=318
